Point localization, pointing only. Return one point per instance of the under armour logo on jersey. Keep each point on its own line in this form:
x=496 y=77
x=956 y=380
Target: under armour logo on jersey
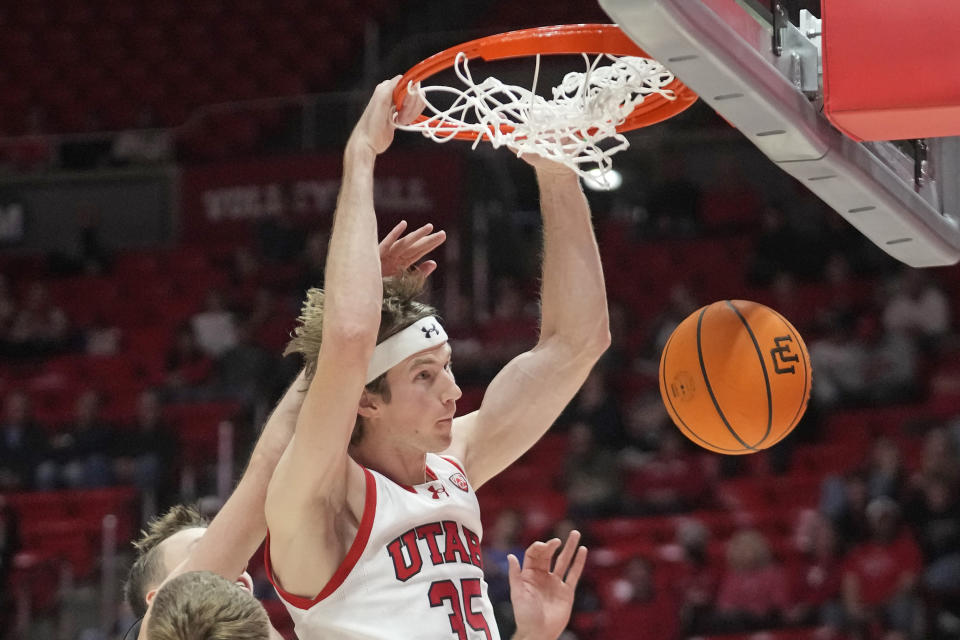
x=436 y=491
x=429 y=331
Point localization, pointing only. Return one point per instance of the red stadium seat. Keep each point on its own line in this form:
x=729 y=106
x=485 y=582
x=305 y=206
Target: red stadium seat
x=38 y=505
x=36 y=574
x=71 y=539
x=92 y=505
x=197 y=426
x=650 y=530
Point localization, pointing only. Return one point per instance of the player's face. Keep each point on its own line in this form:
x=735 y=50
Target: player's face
x=177 y=548
x=423 y=400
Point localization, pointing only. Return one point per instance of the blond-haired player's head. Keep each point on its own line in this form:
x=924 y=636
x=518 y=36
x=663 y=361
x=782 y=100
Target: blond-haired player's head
x=165 y=544
x=400 y=310
x=200 y=605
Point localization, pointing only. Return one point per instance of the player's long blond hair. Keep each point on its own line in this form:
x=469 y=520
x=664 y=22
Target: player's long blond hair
x=400 y=309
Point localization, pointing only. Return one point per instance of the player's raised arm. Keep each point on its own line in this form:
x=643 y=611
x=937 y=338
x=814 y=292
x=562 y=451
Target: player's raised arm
x=530 y=392
x=317 y=493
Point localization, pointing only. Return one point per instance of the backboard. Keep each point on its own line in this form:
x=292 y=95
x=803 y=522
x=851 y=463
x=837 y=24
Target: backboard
x=763 y=74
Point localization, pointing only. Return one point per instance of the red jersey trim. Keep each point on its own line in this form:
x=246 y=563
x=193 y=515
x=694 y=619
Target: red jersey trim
x=349 y=562
x=456 y=464
x=430 y=475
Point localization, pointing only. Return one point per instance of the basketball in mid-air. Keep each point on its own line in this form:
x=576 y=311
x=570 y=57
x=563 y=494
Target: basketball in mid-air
x=735 y=377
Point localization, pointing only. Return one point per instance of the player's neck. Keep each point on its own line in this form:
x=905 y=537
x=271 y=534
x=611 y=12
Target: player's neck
x=403 y=465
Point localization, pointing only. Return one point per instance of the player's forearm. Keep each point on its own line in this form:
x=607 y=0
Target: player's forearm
x=574 y=300
x=353 y=287
x=240 y=526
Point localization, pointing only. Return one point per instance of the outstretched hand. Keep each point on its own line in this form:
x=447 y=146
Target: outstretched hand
x=399 y=252
x=375 y=128
x=543 y=598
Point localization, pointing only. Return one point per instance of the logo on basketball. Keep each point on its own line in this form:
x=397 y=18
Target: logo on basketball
x=780 y=352
x=682 y=388
x=459 y=482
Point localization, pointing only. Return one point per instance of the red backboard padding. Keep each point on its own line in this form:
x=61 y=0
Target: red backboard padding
x=891 y=70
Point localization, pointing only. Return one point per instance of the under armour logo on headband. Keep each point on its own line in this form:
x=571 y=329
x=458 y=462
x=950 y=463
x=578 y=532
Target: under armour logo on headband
x=425 y=333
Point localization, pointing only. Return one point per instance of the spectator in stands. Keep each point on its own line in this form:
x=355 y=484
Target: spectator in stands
x=186 y=368
x=696 y=580
x=638 y=608
x=22 y=444
x=8 y=306
x=840 y=360
x=844 y=500
x=891 y=372
x=753 y=592
x=215 y=327
x=817 y=578
x=885 y=473
x=86 y=253
x=242 y=372
x=102 y=337
x=682 y=303
x=9 y=547
x=933 y=511
x=591 y=476
x=673 y=481
x=80 y=453
x=146 y=455
x=847 y=297
x=646 y=422
x=791 y=301
x=95 y=258
x=879 y=584
x=940 y=459
x=596 y=406
x=917 y=307
x=501 y=541
x=39 y=326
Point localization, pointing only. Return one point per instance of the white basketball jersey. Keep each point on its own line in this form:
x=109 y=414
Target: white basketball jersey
x=414 y=571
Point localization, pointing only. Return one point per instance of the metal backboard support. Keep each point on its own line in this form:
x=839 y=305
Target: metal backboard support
x=768 y=87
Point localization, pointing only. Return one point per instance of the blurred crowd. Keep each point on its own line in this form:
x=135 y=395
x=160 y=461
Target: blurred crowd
x=876 y=556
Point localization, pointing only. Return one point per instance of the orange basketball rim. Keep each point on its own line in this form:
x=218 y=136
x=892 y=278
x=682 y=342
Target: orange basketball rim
x=556 y=40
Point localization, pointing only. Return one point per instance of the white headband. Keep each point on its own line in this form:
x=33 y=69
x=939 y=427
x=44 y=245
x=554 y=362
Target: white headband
x=423 y=334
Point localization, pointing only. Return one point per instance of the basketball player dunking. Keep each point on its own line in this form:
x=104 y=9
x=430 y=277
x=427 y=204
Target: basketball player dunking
x=374 y=524
x=182 y=586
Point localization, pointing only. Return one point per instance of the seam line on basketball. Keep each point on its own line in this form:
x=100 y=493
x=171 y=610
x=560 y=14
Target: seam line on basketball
x=681 y=422
x=806 y=378
x=706 y=382
x=763 y=367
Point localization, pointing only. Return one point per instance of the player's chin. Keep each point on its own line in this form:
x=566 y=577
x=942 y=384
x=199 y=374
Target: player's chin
x=444 y=434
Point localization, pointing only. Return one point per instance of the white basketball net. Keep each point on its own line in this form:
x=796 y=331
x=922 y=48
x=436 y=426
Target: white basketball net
x=569 y=128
